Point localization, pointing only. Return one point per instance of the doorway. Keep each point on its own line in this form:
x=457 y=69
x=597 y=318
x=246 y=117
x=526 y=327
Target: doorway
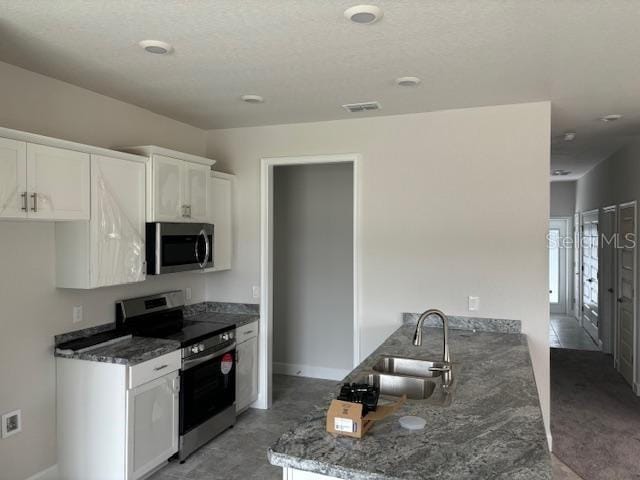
x=267 y=266
x=608 y=229
x=626 y=351
x=590 y=274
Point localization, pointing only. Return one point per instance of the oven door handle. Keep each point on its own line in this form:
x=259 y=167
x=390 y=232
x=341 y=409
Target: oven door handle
x=202 y=263
x=187 y=364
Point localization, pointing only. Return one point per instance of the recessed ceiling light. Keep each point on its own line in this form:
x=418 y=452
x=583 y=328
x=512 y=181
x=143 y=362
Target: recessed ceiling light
x=363 y=14
x=407 y=81
x=156 y=46
x=611 y=118
x=560 y=172
x=252 y=98
x=569 y=136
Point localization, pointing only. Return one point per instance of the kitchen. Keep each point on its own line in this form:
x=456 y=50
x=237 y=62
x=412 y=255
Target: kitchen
x=135 y=280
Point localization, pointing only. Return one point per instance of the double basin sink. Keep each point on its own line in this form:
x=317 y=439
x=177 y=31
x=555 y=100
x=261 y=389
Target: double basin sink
x=417 y=379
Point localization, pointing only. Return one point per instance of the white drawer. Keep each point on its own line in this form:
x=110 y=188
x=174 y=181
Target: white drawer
x=247 y=331
x=155 y=368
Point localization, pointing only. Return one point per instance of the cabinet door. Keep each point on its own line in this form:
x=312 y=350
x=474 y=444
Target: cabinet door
x=196 y=179
x=220 y=206
x=153 y=413
x=247 y=373
x=13 y=178
x=117 y=221
x=58 y=183
x=167 y=191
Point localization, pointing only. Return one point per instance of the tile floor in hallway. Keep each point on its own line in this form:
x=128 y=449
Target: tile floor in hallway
x=566 y=332
x=241 y=452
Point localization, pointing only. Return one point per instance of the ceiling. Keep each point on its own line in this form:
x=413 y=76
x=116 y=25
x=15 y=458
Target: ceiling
x=307 y=60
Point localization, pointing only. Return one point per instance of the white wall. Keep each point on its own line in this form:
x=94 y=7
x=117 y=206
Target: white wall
x=313 y=269
x=453 y=203
x=33 y=310
x=613 y=181
x=563 y=199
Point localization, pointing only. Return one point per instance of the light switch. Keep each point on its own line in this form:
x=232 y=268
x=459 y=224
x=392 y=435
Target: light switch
x=77 y=314
x=256 y=292
x=474 y=304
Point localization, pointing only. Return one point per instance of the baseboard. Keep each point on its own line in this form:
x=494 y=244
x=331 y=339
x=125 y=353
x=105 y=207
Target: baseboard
x=309 y=371
x=50 y=473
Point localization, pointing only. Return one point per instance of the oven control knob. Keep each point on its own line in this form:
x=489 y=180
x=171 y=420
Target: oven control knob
x=201 y=347
x=225 y=336
x=194 y=349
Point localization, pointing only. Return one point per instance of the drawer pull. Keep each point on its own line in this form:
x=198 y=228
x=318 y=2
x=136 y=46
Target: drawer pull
x=248 y=332
x=161 y=367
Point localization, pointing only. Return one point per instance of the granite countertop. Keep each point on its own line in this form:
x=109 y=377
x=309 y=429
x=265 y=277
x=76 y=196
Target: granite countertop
x=493 y=429
x=237 y=319
x=128 y=351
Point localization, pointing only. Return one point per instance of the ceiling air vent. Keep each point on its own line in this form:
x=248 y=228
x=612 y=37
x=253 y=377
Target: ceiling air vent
x=361 y=107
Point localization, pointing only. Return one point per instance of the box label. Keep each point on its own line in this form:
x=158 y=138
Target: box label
x=344 y=425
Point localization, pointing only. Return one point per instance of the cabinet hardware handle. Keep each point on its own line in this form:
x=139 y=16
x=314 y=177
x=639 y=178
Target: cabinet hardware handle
x=161 y=367
x=251 y=331
x=34 y=196
x=189 y=211
x=25 y=202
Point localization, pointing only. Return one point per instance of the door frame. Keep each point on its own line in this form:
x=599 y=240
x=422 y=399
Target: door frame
x=265 y=353
x=636 y=384
x=564 y=254
x=577 y=267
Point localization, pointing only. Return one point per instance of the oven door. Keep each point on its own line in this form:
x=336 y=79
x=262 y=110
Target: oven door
x=207 y=386
x=179 y=247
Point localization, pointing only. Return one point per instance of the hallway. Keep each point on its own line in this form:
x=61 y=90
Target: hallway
x=595 y=416
x=566 y=332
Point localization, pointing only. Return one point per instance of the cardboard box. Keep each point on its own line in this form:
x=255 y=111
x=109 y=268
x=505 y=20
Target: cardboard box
x=345 y=418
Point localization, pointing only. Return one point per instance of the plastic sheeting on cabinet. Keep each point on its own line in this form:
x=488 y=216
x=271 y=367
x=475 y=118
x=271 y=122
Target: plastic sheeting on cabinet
x=120 y=250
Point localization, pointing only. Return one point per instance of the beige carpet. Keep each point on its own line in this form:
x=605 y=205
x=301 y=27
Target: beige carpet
x=595 y=417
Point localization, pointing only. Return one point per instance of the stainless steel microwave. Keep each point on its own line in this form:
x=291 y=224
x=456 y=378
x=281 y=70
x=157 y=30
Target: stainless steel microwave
x=178 y=247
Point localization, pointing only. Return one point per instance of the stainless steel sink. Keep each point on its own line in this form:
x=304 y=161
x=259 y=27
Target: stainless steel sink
x=413 y=387
x=410 y=366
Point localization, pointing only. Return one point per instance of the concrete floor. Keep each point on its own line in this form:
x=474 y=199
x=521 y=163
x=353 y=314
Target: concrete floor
x=241 y=452
x=566 y=332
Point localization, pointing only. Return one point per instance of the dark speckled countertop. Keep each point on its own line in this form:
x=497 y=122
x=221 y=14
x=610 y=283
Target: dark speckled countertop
x=128 y=351
x=493 y=429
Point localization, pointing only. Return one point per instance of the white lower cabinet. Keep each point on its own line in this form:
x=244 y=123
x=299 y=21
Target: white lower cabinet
x=109 y=428
x=246 y=365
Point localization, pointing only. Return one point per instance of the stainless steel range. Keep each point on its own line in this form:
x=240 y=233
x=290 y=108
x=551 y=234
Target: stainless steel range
x=208 y=374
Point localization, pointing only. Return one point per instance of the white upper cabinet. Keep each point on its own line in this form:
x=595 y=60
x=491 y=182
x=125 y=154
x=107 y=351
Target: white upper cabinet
x=220 y=191
x=177 y=185
x=167 y=190
x=195 y=191
x=13 y=179
x=110 y=249
x=57 y=183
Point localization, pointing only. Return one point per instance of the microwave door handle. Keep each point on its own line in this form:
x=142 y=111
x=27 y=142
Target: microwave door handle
x=206 y=249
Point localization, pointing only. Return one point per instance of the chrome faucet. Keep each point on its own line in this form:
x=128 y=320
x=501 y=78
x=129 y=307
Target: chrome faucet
x=417 y=337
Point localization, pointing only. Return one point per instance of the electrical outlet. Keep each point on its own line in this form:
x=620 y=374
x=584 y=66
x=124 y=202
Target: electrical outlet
x=77 y=314
x=11 y=423
x=187 y=293
x=256 y=292
x=474 y=304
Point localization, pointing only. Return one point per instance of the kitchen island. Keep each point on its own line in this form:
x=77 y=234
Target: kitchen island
x=493 y=429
